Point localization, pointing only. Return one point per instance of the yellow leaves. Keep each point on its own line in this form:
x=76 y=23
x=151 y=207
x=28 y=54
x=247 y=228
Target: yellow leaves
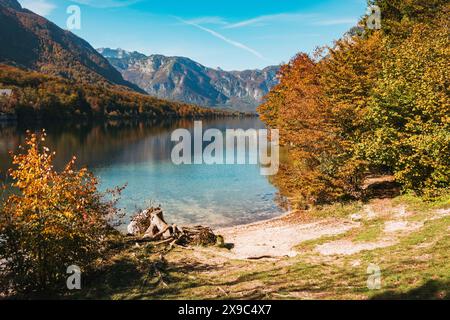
x=411 y=99
x=318 y=108
x=363 y=107
x=69 y=215
x=59 y=213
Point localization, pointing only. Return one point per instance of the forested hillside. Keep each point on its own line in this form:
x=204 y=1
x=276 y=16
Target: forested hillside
x=33 y=42
x=38 y=96
x=53 y=74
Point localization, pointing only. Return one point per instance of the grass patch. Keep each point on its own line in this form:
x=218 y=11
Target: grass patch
x=418 y=204
x=370 y=231
x=338 y=210
x=310 y=245
x=416 y=267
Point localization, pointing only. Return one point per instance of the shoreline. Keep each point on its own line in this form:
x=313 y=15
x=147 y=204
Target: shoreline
x=282 y=236
x=279 y=218
x=277 y=237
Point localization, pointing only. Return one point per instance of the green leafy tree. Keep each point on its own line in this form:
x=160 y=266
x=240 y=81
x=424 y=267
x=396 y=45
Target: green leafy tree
x=410 y=112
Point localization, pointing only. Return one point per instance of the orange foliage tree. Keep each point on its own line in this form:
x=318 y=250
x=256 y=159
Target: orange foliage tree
x=52 y=220
x=376 y=102
x=318 y=107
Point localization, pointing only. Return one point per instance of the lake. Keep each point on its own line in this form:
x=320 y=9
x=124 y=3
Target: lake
x=139 y=154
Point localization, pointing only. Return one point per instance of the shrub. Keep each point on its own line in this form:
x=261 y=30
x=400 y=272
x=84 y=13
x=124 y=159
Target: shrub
x=50 y=221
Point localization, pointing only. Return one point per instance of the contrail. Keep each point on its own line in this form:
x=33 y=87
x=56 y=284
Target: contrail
x=229 y=41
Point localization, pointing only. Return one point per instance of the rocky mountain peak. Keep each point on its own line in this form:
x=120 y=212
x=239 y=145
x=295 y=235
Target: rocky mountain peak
x=182 y=79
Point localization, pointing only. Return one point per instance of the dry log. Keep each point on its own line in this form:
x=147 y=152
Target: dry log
x=150 y=226
x=140 y=223
x=158 y=227
x=157 y=235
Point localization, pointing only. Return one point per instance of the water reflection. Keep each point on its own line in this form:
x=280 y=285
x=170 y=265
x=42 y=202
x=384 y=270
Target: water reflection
x=138 y=153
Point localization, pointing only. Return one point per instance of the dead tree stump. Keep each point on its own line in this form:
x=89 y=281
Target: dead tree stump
x=149 y=225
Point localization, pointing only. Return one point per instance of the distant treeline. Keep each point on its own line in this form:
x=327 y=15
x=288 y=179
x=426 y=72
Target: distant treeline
x=377 y=102
x=36 y=96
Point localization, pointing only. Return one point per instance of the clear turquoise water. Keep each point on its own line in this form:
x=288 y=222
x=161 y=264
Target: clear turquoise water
x=138 y=155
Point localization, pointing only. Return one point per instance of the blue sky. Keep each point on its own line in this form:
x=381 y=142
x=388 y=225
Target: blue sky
x=230 y=34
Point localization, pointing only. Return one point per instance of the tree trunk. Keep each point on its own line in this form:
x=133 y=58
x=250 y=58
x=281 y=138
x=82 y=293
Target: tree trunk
x=149 y=225
x=158 y=227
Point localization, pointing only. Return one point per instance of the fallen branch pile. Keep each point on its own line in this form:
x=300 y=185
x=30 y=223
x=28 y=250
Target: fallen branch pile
x=150 y=226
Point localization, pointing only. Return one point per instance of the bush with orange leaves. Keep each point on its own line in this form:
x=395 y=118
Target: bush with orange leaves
x=50 y=221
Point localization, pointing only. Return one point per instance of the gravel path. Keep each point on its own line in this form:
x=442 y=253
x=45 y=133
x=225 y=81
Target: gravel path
x=277 y=237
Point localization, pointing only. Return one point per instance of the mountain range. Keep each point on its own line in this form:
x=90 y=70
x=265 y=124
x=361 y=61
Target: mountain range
x=32 y=42
x=50 y=74
x=182 y=79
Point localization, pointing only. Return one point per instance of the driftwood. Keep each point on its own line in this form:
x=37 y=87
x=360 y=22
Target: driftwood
x=150 y=226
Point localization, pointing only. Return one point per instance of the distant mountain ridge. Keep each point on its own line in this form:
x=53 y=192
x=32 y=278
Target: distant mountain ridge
x=32 y=42
x=53 y=75
x=182 y=79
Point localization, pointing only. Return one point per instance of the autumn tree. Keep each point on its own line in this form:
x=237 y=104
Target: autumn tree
x=319 y=107
x=294 y=108
x=374 y=103
x=409 y=114
x=52 y=221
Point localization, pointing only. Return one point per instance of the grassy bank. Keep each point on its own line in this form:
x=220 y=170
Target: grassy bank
x=405 y=237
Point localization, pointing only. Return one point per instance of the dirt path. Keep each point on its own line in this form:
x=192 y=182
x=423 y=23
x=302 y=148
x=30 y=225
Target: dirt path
x=277 y=237
x=330 y=246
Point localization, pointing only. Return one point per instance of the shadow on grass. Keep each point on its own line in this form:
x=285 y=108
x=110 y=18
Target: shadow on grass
x=277 y=282
x=184 y=280
x=155 y=279
x=149 y=277
x=431 y=290
x=382 y=190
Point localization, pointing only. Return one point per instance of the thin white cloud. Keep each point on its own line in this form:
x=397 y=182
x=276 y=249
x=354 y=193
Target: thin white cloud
x=311 y=19
x=209 y=20
x=335 y=22
x=227 y=40
x=41 y=7
x=107 y=3
x=262 y=20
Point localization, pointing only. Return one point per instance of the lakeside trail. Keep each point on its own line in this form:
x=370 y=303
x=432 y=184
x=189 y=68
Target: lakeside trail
x=278 y=237
x=326 y=253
